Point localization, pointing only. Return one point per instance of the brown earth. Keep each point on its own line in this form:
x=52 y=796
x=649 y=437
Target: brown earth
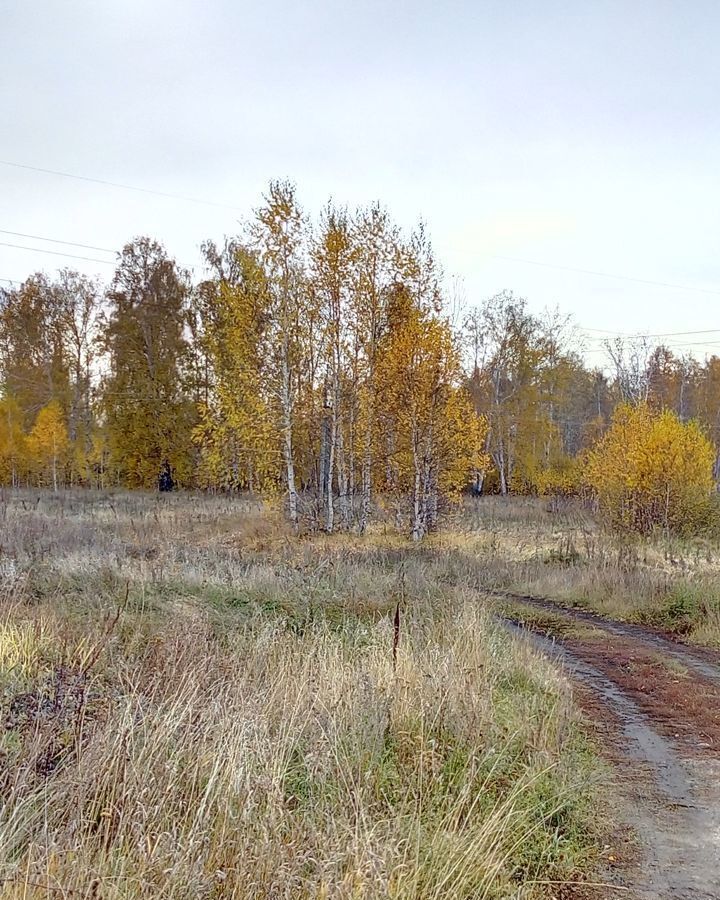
x=682 y=705
x=653 y=705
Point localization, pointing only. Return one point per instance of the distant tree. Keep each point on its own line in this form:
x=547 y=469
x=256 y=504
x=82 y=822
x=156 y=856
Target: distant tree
x=509 y=387
x=149 y=414
x=708 y=405
x=33 y=362
x=48 y=445
x=630 y=359
x=13 y=443
x=673 y=382
x=49 y=331
x=79 y=310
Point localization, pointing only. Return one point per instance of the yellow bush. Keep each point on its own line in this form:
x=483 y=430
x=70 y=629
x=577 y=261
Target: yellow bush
x=564 y=479
x=651 y=470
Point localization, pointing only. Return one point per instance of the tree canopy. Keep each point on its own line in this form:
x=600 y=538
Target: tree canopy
x=316 y=360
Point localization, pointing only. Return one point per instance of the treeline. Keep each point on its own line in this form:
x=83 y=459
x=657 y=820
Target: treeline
x=545 y=407
x=316 y=361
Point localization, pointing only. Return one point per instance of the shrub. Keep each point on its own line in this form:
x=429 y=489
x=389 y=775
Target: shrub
x=652 y=470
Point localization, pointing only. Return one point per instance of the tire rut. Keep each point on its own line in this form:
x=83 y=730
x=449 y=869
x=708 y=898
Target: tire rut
x=702 y=662
x=670 y=799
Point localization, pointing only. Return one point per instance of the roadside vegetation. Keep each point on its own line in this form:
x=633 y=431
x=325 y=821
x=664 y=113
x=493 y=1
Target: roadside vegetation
x=562 y=551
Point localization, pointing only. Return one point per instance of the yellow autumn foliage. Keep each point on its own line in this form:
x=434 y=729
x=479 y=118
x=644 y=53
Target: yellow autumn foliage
x=430 y=438
x=48 y=444
x=13 y=449
x=652 y=470
x=562 y=479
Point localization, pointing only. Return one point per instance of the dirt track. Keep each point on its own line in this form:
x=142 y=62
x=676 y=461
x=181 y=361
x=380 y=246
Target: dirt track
x=655 y=707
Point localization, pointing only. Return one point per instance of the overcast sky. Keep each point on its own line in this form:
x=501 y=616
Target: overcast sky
x=579 y=134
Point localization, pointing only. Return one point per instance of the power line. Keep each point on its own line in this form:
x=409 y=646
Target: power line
x=186 y=198
x=37 y=237
x=646 y=334
x=714 y=348
x=125 y=187
x=107 y=262
x=691 y=344
x=532 y=262
x=673 y=344
x=670 y=345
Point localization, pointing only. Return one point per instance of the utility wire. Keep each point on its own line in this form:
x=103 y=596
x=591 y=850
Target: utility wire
x=581 y=329
x=645 y=334
x=184 y=197
x=586 y=332
x=72 y=244
x=125 y=187
x=174 y=196
x=107 y=262
x=661 y=343
x=715 y=349
x=532 y=262
x=38 y=237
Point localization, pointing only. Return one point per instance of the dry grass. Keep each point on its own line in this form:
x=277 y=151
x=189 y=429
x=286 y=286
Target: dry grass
x=522 y=545
x=239 y=728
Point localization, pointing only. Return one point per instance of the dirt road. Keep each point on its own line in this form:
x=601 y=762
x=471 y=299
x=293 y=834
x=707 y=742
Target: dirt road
x=655 y=706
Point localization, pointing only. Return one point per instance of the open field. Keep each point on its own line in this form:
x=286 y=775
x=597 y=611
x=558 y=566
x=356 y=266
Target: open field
x=196 y=704
x=526 y=547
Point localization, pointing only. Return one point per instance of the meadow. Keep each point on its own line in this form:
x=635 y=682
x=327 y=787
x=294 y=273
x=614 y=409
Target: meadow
x=196 y=703
x=560 y=551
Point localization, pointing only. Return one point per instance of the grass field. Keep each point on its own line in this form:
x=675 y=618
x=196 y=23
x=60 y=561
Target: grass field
x=197 y=704
x=524 y=546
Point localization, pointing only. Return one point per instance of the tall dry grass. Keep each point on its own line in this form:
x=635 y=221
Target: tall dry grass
x=239 y=729
x=524 y=545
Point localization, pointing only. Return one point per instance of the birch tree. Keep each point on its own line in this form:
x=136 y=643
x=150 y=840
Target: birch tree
x=238 y=432
x=333 y=258
x=432 y=437
x=278 y=233
x=376 y=240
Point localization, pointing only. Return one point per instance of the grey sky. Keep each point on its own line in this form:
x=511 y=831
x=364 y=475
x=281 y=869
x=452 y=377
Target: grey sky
x=581 y=134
